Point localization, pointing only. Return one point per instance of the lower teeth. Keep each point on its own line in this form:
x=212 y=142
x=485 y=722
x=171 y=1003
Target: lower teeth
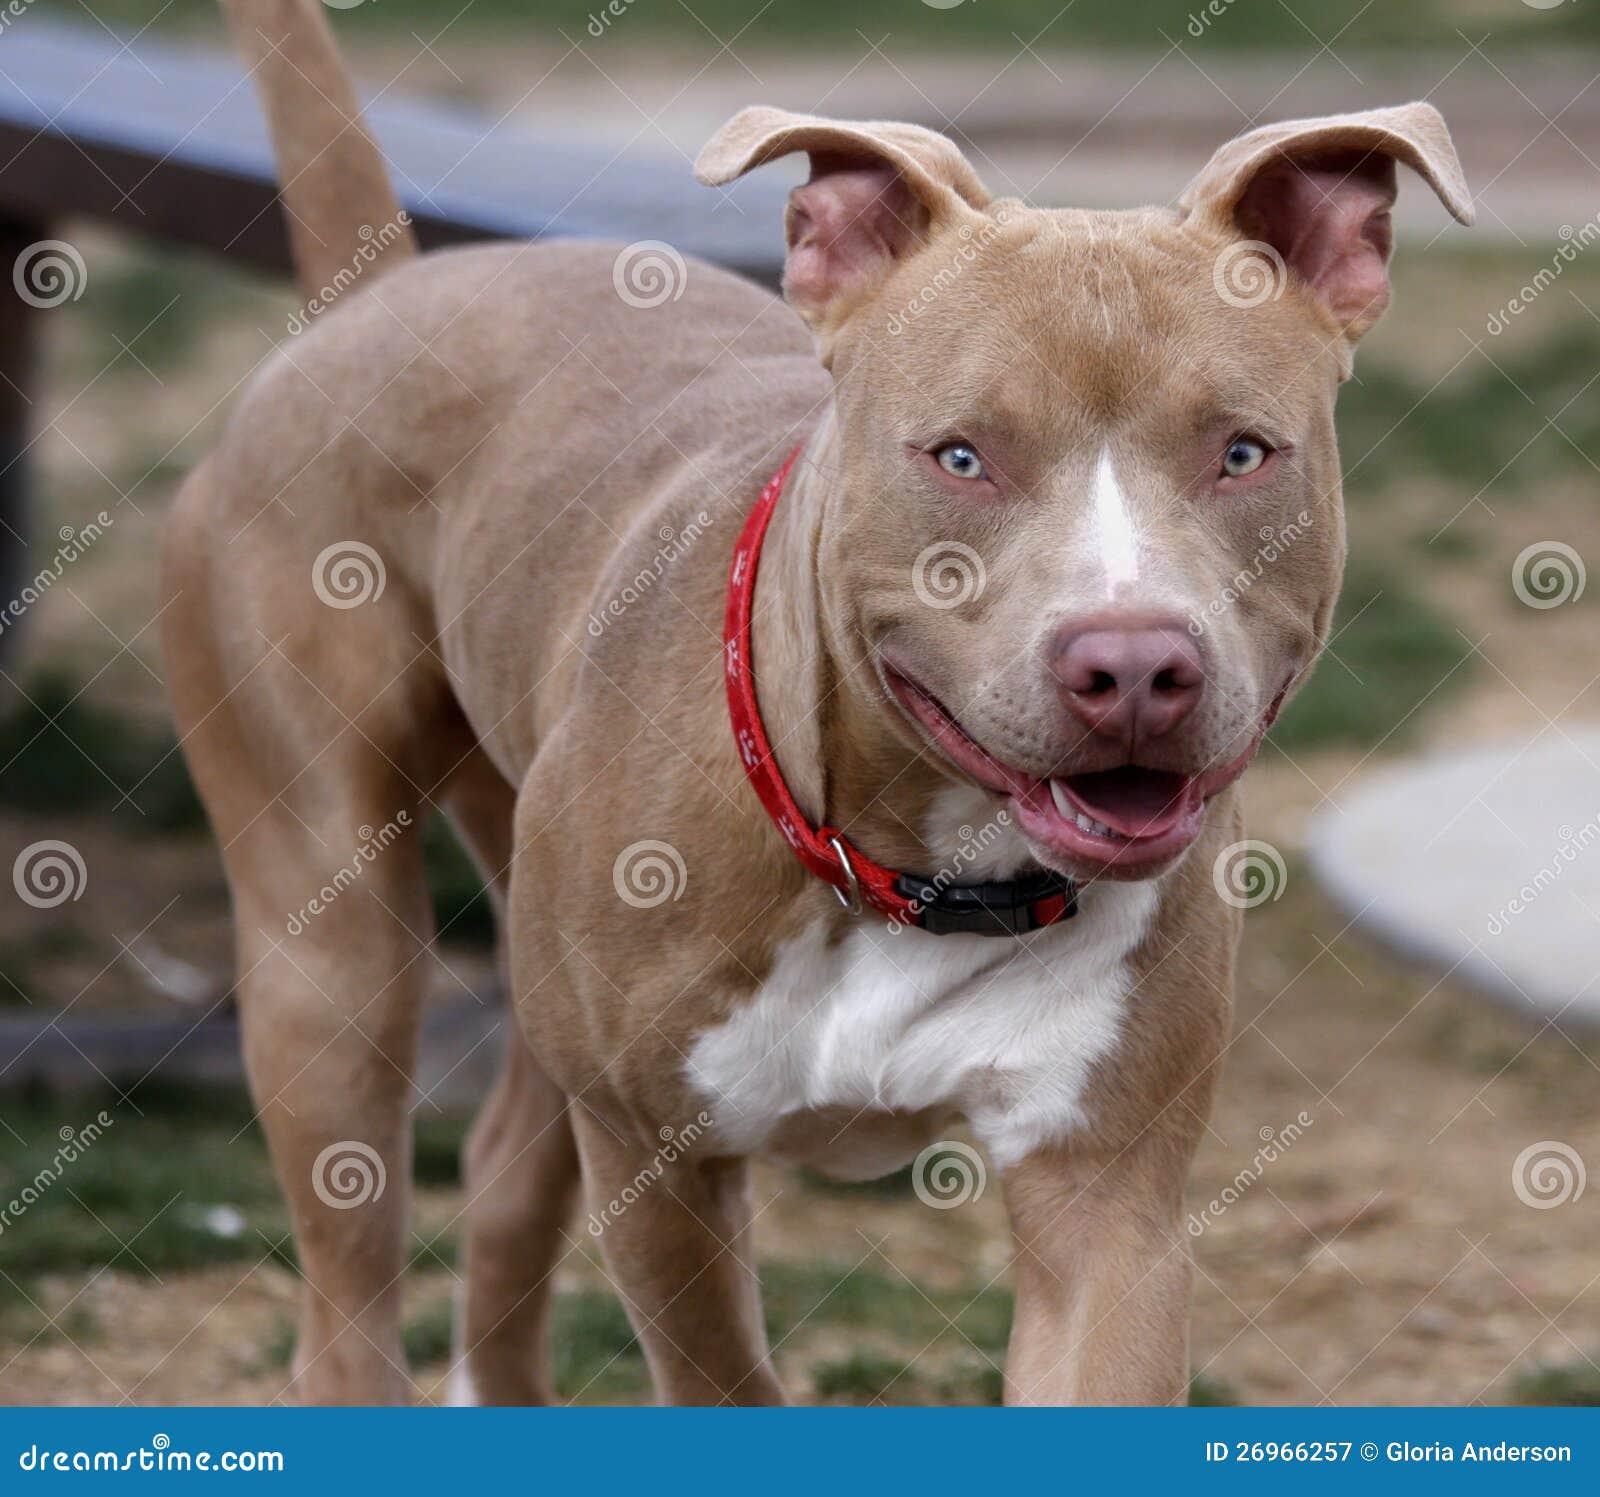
x=1082 y=819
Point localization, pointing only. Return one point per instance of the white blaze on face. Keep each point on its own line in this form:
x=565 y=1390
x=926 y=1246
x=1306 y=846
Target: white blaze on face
x=1119 y=546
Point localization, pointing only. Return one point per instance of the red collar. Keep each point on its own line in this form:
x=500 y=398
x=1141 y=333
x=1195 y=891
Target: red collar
x=931 y=904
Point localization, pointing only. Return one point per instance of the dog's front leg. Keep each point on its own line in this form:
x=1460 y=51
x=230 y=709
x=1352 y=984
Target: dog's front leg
x=1102 y=1279
x=677 y=1244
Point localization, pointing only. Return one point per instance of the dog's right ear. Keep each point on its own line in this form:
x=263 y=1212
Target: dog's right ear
x=876 y=192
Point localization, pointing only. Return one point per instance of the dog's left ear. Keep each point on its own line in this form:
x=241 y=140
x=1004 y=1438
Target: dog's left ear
x=1318 y=193
x=875 y=194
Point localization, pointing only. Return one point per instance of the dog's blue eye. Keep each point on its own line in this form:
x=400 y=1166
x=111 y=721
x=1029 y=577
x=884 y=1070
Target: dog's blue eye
x=960 y=461
x=1243 y=457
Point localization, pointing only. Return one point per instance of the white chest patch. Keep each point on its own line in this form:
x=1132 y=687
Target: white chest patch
x=1119 y=544
x=1003 y=1030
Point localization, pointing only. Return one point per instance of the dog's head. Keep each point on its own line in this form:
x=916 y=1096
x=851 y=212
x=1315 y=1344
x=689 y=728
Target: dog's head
x=1086 y=530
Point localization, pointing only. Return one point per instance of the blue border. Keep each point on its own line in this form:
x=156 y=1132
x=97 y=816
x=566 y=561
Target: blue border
x=815 y=1452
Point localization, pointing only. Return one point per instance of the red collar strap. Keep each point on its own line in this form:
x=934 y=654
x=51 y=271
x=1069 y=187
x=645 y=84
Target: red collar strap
x=1001 y=909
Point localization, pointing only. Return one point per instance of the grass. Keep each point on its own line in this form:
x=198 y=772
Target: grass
x=436 y=1144
x=41 y=942
x=598 y=1358
x=179 y=1180
x=155 y=305
x=595 y=1352
x=594 y=1348
x=426 y=1338
x=61 y=752
x=1208 y=1392
x=1574 y=1384
x=862 y=1377
x=1004 y=24
x=277 y=1349
x=802 y=1294
x=1484 y=427
x=461 y=907
x=427 y=1334
x=144 y=1196
x=1393 y=657
x=1459 y=542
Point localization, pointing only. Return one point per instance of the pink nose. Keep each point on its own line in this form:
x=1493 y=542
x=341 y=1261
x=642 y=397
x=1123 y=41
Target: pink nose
x=1129 y=682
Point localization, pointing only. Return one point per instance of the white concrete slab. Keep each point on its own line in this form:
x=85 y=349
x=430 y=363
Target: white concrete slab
x=1485 y=862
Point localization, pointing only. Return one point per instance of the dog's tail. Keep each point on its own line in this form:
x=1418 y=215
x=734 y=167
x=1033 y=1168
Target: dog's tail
x=341 y=207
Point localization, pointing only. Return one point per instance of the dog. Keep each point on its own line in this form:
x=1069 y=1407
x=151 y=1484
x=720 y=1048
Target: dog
x=844 y=697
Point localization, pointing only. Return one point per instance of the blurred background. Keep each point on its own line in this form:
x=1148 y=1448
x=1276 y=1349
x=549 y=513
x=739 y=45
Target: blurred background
x=1424 y=1238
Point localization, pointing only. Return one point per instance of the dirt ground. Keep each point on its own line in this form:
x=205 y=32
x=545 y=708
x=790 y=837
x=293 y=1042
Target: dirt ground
x=1382 y=1258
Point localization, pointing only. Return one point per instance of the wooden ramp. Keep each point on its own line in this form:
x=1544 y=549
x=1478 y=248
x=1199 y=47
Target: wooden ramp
x=168 y=142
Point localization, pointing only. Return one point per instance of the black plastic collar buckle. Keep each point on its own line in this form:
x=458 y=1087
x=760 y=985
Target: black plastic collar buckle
x=987 y=909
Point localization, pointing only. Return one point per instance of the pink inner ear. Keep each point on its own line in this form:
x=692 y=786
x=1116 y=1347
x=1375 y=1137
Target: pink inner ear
x=1330 y=222
x=846 y=226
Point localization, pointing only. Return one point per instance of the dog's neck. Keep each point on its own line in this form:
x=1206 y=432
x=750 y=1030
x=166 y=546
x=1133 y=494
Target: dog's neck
x=821 y=700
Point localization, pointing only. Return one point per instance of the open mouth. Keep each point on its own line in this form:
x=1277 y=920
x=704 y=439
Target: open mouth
x=1128 y=820
x=1129 y=803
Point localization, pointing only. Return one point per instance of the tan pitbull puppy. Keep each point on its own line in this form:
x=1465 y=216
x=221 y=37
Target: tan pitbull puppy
x=996 y=630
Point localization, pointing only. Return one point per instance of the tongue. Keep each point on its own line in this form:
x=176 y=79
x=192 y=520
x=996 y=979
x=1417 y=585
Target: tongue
x=1136 y=802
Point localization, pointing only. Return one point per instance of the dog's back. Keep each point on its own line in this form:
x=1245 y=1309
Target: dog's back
x=493 y=430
